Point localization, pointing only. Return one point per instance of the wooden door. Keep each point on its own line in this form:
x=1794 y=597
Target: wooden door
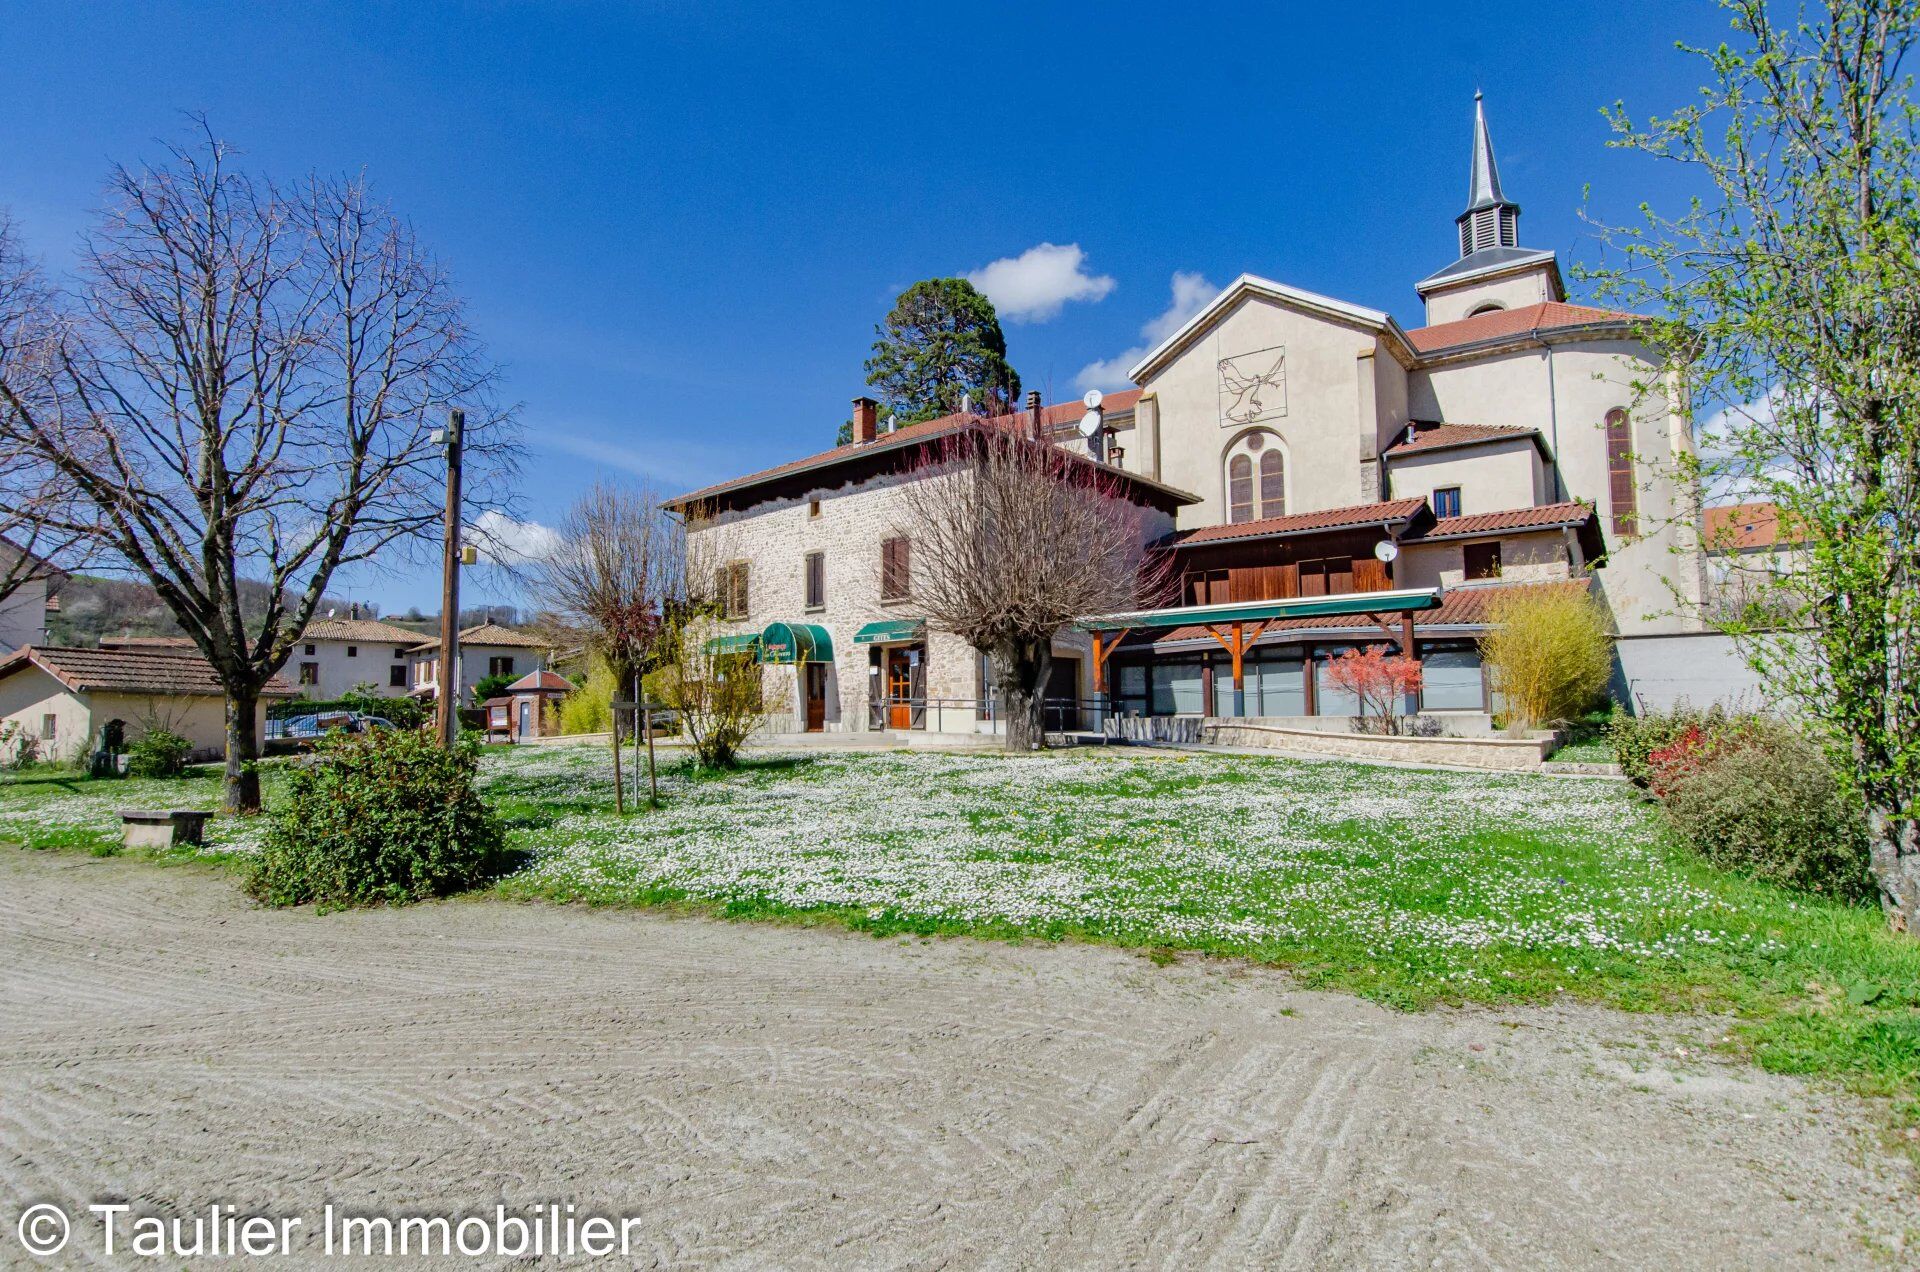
x=816 y=697
x=899 y=690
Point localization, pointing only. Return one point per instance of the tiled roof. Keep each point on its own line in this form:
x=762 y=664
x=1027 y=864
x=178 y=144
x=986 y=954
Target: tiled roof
x=541 y=682
x=1425 y=437
x=142 y=671
x=1743 y=527
x=1051 y=417
x=1544 y=517
x=147 y=642
x=1549 y=315
x=365 y=630
x=484 y=634
x=1301 y=522
x=1467 y=605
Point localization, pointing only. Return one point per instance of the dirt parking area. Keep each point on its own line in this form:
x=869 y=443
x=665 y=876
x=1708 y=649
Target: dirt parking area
x=768 y=1096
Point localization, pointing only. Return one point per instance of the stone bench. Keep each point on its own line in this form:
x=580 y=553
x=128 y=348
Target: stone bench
x=163 y=828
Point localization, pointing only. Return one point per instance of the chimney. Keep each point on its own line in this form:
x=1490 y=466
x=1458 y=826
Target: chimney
x=1033 y=408
x=866 y=415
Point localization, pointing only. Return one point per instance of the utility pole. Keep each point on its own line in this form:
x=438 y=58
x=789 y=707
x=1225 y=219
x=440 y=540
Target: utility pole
x=449 y=717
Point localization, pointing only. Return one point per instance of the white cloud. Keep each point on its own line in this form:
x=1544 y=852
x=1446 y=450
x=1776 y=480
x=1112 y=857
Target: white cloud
x=501 y=540
x=1191 y=293
x=1032 y=286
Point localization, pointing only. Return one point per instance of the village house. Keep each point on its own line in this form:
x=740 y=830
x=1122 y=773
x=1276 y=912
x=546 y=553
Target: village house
x=1325 y=478
x=487 y=649
x=23 y=613
x=334 y=655
x=59 y=698
x=525 y=709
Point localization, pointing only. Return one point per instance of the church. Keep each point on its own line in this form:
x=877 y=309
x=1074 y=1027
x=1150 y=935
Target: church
x=1323 y=478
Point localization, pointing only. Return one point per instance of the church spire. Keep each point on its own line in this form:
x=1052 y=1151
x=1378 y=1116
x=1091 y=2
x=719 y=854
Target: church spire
x=1491 y=220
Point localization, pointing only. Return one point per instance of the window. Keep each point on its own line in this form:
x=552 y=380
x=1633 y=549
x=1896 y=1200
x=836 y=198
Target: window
x=896 y=568
x=49 y=725
x=730 y=587
x=1256 y=476
x=399 y=652
x=1446 y=501
x=1273 y=484
x=1483 y=560
x=500 y=665
x=1450 y=681
x=1620 y=484
x=309 y=651
x=813 y=507
x=1491 y=307
x=816 y=580
x=1240 y=489
x=353 y=651
x=397 y=676
x=309 y=673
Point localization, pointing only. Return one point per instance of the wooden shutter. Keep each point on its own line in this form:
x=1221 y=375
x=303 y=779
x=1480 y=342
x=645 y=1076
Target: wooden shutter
x=1369 y=574
x=736 y=602
x=1621 y=492
x=816 y=580
x=896 y=567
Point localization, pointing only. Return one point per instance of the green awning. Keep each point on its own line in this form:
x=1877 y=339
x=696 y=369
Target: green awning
x=747 y=643
x=795 y=643
x=1401 y=601
x=897 y=629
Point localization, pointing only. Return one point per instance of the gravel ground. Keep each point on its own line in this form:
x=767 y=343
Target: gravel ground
x=768 y=1096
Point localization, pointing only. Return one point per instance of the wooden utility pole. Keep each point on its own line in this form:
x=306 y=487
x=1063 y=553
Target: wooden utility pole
x=449 y=716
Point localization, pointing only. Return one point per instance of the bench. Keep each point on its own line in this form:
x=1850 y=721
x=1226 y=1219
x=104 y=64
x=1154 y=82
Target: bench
x=163 y=828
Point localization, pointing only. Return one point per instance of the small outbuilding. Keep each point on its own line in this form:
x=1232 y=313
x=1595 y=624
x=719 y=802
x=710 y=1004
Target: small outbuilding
x=521 y=711
x=57 y=699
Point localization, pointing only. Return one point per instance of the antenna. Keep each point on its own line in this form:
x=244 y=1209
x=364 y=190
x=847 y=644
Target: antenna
x=966 y=404
x=1092 y=400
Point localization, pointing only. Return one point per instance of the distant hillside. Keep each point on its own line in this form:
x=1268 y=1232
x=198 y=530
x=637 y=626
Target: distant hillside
x=92 y=607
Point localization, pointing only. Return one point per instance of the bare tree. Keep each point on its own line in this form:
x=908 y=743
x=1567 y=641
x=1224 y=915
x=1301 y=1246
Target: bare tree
x=242 y=385
x=43 y=527
x=1013 y=539
x=613 y=575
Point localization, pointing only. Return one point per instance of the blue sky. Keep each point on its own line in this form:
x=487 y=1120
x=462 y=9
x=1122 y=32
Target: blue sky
x=678 y=224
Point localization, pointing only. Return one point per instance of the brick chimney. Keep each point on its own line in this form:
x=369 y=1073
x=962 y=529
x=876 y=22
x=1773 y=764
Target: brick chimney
x=1033 y=410
x=866 y=417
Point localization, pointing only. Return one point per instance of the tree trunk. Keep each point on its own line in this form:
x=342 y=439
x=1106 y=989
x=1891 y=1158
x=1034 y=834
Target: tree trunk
x=1895 y=858
x=243 y=748
x=1020 y=673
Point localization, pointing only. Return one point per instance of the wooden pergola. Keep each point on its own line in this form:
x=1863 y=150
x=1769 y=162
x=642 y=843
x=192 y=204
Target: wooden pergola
x=1238 y=624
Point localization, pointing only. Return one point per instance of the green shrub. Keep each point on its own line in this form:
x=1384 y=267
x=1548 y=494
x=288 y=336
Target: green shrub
x=1759 y=797
x=385 y=817
x=1636 y=738
x=158 y=753
x=493 y=686
x=1548 y=653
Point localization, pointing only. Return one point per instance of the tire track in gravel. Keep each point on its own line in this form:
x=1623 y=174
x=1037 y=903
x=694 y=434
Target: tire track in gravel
x=772 y=1096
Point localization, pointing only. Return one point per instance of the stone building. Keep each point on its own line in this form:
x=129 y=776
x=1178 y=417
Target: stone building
x=1330 y=479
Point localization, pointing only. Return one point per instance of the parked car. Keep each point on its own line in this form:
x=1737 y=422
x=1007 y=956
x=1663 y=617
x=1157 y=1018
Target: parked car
x=308 y=729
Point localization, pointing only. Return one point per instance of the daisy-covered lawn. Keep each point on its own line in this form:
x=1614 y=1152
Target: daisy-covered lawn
x=1408 y=886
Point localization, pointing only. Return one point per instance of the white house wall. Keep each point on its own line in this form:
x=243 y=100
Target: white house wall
x=1491 y=478
x=339 y=672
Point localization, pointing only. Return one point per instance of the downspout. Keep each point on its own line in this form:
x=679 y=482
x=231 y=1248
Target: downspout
x=1553 y=417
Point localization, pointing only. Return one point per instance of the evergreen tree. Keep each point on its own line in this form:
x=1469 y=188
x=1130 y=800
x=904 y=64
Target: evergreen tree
x=940 y=343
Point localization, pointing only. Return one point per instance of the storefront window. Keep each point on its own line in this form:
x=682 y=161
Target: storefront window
x=1450 y=681
x=1278 y=687
x=1334 y=701
x=1177 y=689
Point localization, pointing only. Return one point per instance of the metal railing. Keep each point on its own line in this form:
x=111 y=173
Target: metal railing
x=1062 y=715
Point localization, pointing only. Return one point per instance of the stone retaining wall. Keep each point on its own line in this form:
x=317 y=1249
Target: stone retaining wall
x=1499 y=753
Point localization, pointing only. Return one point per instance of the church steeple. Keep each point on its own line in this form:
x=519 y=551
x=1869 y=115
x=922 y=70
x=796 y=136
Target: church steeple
x=1491 y=219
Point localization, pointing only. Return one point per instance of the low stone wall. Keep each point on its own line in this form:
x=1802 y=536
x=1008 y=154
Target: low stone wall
x=1507 y=754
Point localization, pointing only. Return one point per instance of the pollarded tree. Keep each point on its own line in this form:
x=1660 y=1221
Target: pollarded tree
x=940 y=344
x=242 y=384
x=1793 y=282
x=1012 y=540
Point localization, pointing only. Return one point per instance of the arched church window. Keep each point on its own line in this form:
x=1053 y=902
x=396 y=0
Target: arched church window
x=1273 y=484
x=1240 y=489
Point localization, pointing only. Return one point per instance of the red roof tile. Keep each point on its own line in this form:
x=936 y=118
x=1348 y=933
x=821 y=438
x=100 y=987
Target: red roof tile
x=541 y=682
x=1051 y=417
x=139 y=671
x=1425 y=437
x=1743 y=527
x=1544 y=517
x=367 y=631
x=1302 y=522
x=1552 y=315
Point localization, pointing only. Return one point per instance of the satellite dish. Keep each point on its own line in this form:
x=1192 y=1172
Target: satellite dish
x=1092 y=400
x=1386 y=549
x=1091 y=423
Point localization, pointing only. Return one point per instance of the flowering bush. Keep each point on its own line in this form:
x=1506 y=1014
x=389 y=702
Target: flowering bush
x=1679 y=759
x=1636 y=737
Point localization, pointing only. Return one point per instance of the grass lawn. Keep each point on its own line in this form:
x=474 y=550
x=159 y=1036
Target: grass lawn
x=1409 y=887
